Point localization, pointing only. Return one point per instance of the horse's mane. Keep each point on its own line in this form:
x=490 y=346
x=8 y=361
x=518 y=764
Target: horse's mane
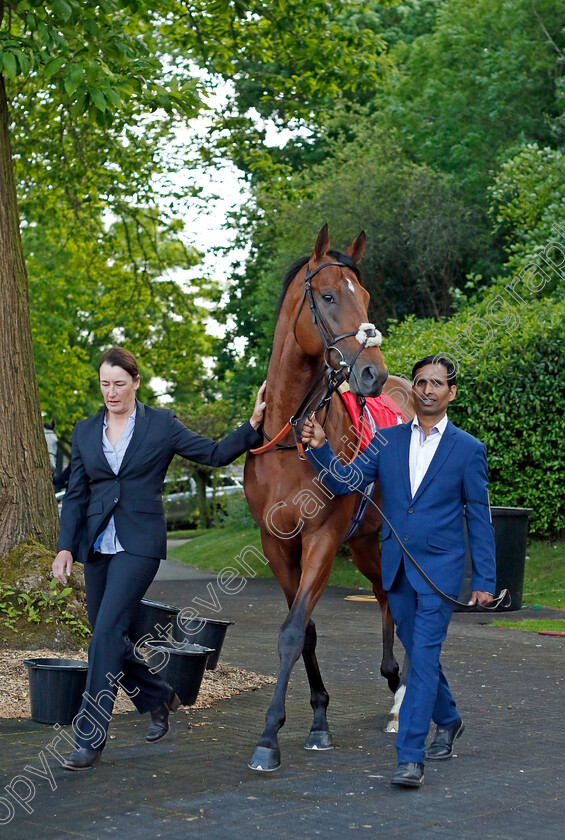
x=294 y=269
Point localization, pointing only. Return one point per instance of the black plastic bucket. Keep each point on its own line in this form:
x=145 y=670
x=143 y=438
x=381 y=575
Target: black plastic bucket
x=182 y=666
x=211 y=634
x=56 y=687
x=149 y=614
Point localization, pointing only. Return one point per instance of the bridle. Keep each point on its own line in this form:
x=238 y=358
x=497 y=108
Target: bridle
x=329 y=378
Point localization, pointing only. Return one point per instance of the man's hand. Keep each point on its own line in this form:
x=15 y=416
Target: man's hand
x=484 y=598
x=259 y=409
x=312 y=433
x=62 y=565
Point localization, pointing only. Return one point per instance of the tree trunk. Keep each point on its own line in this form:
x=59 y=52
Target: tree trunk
x=27 y=501
x=201 y=477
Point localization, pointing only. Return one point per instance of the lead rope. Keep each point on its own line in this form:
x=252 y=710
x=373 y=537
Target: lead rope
x=503 y=599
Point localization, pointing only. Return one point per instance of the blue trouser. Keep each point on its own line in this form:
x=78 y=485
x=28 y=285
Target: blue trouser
x=115 y=584
x=421 y=625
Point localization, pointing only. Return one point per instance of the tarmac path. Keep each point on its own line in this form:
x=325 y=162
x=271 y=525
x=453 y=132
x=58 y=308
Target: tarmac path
x=506 y=780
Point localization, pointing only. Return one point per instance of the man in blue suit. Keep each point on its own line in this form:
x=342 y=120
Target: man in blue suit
x=430 y=472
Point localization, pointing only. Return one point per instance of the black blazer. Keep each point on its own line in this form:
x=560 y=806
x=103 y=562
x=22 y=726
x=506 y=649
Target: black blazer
x=134 y=495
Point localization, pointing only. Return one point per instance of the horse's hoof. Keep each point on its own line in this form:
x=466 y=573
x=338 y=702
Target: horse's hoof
x=265 y=759
x=319 y=740
x=392 y=723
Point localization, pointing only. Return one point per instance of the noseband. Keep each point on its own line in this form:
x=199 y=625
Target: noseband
x=366 y=334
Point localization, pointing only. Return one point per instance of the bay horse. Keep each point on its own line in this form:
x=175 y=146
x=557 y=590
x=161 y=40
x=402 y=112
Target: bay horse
x=322 y=320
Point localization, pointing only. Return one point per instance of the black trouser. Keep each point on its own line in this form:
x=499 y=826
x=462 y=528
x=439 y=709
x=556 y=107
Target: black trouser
x=115 y=584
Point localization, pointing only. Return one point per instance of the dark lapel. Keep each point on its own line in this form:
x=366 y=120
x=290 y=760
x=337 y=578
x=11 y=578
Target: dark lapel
x=403 y=444
x=98 y=429
x=445 y=446
x=141 y=425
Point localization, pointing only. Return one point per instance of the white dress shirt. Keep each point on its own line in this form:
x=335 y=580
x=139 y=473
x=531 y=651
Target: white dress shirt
x=422 y=450
x=108 y=542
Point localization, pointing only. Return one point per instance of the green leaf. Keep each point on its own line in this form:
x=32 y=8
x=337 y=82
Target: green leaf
x=10 y=67
x=53 y=67
x=113 y=97
x=62 y=9
x=98 y=98
x=23 y=62
x=73 y=78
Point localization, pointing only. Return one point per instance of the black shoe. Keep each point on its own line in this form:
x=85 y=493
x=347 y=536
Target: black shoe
x=408 y=774
x=159 y=725
x=82 y=759
x=442 y=745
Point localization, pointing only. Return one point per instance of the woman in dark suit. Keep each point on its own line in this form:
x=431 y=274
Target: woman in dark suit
x=112 y=520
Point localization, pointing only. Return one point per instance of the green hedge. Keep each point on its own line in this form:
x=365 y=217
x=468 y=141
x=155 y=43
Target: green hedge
x=511 y=396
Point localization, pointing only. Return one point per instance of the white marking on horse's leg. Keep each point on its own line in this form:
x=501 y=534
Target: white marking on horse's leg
x=392 y=720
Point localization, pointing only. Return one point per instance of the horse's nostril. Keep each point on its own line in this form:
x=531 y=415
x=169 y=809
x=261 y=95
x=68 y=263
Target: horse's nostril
x=369 y=374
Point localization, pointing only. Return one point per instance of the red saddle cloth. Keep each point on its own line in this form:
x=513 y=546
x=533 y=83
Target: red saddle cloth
x=379 y=412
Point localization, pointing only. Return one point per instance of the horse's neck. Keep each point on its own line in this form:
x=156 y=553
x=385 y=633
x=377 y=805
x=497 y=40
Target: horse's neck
x=290 y=375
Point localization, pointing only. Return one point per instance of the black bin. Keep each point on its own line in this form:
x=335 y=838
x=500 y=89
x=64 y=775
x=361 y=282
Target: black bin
x=510 y=539
x=209 y=632
x=149 y=614
x=182 y=666
x=56 y=687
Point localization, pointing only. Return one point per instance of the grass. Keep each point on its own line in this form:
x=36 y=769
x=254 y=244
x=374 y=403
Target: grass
x=544 y=578
x=544 y=624
x=217 y=548
x=213 y=550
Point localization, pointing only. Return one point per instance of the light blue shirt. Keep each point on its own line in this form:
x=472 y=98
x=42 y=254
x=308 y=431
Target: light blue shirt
x=108 y=542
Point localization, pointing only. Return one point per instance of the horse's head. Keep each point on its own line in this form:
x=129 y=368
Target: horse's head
x=330 y=318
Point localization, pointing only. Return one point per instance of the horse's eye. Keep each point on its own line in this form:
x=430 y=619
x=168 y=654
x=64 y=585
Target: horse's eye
x=328 y=298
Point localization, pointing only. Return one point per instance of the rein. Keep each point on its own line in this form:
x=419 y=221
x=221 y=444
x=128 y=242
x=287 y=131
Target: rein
x=367 y=335
x=503 y=599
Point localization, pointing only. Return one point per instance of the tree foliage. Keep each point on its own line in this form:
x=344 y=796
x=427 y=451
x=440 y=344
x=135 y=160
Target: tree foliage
x=104 y=258
x=93 y=61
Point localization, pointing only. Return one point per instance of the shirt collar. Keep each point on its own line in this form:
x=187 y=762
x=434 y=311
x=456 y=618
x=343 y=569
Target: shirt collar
x=131 y=417
x=438 y=428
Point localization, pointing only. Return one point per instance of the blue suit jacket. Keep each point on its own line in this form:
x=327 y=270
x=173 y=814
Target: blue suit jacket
x=134 y=495
x=430 y=524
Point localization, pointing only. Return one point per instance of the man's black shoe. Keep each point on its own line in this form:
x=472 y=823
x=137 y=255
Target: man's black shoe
x=159 y=725
x=442 y=745
x=82 y=759
x=408 y=774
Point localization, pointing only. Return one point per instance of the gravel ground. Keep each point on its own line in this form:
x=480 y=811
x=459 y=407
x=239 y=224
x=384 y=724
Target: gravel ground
x=219 y=684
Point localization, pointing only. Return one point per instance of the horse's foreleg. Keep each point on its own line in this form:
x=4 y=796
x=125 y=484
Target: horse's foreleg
x=320 y=736
x=291 y=643
x=317 y=558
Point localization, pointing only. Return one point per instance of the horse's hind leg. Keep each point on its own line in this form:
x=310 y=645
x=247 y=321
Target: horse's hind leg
x=319 y=737
x=366 y=555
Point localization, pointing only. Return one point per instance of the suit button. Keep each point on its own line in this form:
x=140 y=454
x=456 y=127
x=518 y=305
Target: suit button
x=116 y=501
x=406 y=538
x=410 y=510
x=116 y=481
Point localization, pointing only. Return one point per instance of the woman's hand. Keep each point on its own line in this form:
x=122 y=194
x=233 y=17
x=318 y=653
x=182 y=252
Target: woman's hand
x=259 y=410
x=312 y=433
x=62 y=565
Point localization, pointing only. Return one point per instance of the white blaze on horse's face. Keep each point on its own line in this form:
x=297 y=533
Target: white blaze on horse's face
x=350 y=285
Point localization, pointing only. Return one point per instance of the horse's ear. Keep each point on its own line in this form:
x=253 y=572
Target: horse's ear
x=322 y=244
x=357 y=247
